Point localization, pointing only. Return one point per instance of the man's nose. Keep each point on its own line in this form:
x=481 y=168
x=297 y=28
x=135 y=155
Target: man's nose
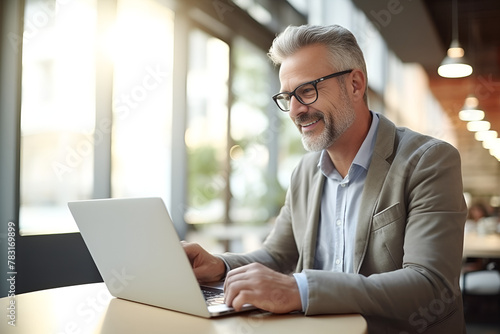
x=296 y=108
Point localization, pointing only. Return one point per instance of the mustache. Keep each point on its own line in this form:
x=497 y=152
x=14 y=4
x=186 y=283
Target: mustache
x=309 y=117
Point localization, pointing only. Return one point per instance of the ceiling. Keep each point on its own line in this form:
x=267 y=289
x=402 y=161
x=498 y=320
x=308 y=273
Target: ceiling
x=479 y=30
x=421 y=31
x=479 y=34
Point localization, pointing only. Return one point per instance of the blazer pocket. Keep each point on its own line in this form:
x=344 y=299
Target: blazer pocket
x=387 y=216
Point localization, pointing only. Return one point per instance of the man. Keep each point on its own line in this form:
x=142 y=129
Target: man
x=373 y=219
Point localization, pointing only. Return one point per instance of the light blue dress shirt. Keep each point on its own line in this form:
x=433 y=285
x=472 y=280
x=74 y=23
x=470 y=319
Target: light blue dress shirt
x=339 y=212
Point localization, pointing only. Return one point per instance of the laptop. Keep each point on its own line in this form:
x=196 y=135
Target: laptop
x=137 y=251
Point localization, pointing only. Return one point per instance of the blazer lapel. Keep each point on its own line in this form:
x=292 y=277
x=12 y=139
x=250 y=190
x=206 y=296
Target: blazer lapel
x=306 y=257
x=379 y=167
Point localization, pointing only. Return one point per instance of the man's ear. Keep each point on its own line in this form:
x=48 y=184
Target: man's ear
x=357 y=84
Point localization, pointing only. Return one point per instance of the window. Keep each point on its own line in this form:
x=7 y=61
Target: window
x=233 y=136
x=97 y=116
x=57 y=114
x=256 y=195
x=141 y=45
x=60 y=134
x=206 y=134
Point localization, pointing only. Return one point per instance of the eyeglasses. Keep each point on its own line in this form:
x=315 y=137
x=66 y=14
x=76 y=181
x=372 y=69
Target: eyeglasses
x=307 y=93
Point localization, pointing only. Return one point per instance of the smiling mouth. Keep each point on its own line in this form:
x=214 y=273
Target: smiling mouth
x=311 y=123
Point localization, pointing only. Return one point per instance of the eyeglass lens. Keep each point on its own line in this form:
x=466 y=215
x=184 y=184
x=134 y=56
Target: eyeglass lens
x=306 y=94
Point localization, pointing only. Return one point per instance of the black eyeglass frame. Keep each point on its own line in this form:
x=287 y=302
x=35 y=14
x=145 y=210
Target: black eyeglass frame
x=314 y=83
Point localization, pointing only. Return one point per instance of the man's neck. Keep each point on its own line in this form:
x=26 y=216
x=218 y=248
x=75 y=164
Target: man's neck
x=343 y=152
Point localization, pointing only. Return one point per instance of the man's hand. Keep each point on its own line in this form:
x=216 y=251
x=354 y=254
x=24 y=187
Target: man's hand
x=206 y=267
x=262 y=287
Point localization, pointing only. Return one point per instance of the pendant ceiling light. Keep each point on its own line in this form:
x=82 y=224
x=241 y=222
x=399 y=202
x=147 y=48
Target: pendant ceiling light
x=486 y=135
x=476 y=126
x=454 y=65
x=471 y=110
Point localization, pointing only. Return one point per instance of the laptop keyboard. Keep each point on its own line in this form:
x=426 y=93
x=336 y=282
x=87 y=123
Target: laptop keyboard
x=213 y=296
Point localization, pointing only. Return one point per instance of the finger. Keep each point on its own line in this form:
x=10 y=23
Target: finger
x=234 y=285
x=242 y=288
x=189 y=248
x=242 y=298
x=196 y=255
x=184 y=243
x=243 y=292
x=233 y=275
x=238 y=295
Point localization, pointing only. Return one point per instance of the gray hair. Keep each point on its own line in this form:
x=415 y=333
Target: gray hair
x=342 y=46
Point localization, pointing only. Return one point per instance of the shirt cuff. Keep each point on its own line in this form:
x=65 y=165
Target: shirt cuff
x=301 y=280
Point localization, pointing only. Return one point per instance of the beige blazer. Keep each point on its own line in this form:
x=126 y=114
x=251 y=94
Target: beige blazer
x=409 y=238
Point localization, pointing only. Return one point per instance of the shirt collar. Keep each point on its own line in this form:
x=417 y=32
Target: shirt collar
x=365 y=152
x=364 y=155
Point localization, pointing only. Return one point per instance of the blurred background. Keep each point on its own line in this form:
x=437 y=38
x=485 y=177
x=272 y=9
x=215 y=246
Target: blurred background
x=171 y=98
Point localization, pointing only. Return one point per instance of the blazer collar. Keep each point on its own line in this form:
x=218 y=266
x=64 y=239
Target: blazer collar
x=311 y=232
x=383 y=155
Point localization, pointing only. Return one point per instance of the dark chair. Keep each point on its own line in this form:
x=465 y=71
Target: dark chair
x=481 y=293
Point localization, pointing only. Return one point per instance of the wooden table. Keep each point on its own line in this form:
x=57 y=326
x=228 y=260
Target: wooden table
x=89 y=308
x=481 y=246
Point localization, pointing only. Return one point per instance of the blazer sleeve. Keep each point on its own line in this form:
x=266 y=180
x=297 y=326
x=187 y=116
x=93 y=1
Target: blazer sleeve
x=279 y=251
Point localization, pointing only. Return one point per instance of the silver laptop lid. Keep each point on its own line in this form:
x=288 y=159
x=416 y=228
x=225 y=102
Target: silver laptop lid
x=138 y=253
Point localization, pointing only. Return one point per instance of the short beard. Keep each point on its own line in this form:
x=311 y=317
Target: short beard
x=336 y=124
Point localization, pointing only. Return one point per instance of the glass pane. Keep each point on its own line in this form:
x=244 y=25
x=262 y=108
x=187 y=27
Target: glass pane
x=206 y=135
x=266 y=144
x=141 y=45
x=57 y=113
x=255 y=192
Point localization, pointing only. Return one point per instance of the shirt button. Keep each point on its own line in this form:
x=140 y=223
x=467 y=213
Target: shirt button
x=339 y=222
x=337 y=261
x=343 y=185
